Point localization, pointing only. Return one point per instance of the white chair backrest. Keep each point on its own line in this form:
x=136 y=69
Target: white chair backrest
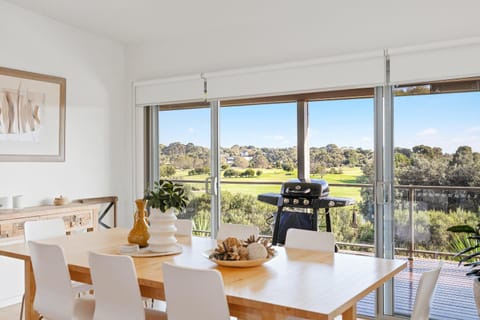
x=310 y=240
x=240 y=231
x=194 y=293
x=117 y=294
x=184 y=227
x=54 y=297
x=423 y=298
x=44 y=229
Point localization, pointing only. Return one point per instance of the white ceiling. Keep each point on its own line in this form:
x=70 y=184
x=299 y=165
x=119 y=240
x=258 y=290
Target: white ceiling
x=198 y=35
x=141 y=21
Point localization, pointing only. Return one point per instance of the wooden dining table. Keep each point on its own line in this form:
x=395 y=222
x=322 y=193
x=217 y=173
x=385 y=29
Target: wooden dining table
x=299 y=283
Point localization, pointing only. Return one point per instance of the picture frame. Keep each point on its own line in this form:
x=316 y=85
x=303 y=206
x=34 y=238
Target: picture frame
x=32 y=116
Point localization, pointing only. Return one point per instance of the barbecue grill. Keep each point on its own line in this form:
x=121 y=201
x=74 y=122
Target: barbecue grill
x=298 y=205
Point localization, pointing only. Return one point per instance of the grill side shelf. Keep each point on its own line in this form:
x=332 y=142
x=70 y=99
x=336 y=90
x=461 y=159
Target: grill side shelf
x=274 y=199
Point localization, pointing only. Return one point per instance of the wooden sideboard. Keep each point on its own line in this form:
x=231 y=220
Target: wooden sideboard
x=77 y=217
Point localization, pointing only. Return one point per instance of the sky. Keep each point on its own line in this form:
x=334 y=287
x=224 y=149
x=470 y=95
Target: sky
x=442 y=120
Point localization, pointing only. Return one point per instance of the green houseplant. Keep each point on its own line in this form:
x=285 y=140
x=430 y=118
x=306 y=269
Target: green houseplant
x=469 y=254
x=468 y=249
x=166 y=194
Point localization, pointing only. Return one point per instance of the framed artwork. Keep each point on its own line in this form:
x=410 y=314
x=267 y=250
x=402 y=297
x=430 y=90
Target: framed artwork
x=32 y=116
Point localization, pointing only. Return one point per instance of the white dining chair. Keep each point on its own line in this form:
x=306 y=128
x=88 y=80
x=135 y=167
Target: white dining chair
x=193 y=293
x=117 y=293
x=43 y=229
x=310 y=240
x=55 y=298
x=425 y=291
x=184 y=227
x=240 y=231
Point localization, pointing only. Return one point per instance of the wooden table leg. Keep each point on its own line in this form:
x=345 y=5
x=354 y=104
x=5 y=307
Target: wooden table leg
x=350 y=314
x=30 y=313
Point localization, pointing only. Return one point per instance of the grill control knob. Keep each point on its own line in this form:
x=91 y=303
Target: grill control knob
x=331 y=203
x=298 y=187
x=295 y=201
x=286 y=200
x=306 y=202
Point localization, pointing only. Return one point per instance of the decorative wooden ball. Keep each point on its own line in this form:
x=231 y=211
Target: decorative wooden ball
x=60 y=201
x=256 y=251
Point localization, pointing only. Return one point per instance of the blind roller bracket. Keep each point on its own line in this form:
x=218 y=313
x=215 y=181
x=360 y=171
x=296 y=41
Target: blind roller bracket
x=205 y=91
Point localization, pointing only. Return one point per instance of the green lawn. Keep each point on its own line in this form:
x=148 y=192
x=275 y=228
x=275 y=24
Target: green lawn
x=349 y=175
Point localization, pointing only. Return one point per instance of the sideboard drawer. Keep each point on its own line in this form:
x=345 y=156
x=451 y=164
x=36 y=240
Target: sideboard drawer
x=77 y=217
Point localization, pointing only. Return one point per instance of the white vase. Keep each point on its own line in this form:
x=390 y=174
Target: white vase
x=476 y=293
x=162 y=231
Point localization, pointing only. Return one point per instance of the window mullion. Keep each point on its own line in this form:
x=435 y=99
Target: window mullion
x=303 y=149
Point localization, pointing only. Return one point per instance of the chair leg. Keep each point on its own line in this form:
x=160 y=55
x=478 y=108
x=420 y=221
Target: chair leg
x=22 y=306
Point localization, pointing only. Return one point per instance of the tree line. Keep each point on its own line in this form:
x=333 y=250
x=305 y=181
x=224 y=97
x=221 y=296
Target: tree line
x=177 y=156
x=420 y=165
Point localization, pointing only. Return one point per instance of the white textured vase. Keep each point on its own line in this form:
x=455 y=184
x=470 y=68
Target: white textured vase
x=162 y=231
x=476 y=293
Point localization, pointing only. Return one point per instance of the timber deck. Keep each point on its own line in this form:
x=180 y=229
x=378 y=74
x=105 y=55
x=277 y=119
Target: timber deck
x=453 y=299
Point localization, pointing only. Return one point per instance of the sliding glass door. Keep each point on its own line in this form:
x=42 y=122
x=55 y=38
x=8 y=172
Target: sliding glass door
x=184 y=155
x=437 y=162
x=258 y=152
x=341 y=152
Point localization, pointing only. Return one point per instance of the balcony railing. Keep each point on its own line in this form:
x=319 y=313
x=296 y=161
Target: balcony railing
x=411 y=190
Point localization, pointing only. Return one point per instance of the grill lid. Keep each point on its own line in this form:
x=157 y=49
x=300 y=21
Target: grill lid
x=312 y=188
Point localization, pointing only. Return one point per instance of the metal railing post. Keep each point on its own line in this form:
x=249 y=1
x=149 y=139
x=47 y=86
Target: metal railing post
x=411 y=199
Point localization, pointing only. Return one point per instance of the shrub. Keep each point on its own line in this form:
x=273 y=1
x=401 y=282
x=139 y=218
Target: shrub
x=288 y=167
x=167 y=170
x=229 y=173
x=248 y=173
x=199 y=171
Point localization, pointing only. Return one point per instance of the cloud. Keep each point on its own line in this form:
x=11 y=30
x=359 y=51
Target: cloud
x=472 y=129
x=191 y=130
x=275 y=138
x=428 y=132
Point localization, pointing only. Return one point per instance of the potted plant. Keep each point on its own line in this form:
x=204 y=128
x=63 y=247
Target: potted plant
x=166 y=195
x=469 y=254
x=165 y=199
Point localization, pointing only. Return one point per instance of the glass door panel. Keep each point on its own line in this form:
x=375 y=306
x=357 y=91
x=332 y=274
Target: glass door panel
x=437 y=145
x=184 y=156
x=341 y=152
x=258 y=152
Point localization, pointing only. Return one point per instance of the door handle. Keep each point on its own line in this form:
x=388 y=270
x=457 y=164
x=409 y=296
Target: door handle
x=215 y=186
x=207 y=182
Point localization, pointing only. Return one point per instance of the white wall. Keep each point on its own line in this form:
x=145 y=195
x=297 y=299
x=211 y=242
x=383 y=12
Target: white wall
x=98 y=130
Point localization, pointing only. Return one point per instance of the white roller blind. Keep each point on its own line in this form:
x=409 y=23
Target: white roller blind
x=354 y=71
x=446 y=60
x=348 y=71
x=169 y=90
